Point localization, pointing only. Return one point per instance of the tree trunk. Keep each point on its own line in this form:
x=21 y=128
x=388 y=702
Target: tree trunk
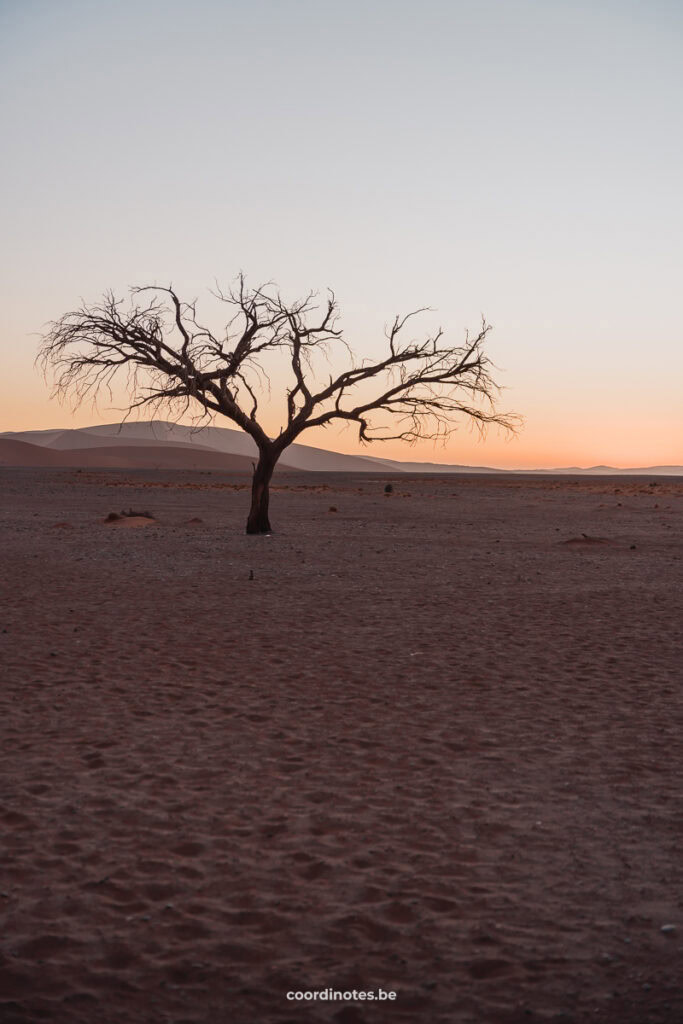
x=258 y=521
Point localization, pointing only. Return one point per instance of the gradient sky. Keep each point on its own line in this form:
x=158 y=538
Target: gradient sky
x=517 y=158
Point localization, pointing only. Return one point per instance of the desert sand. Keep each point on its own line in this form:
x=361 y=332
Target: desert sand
x=429 y=742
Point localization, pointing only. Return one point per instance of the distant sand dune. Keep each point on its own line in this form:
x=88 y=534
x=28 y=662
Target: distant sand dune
x=21 y=453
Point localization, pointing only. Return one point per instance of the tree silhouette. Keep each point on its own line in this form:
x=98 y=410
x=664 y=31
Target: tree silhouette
x=418 y=390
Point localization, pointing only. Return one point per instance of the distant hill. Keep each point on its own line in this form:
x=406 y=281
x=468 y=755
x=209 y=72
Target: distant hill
x=611 y=471
x=430 y=467
x=143 y=443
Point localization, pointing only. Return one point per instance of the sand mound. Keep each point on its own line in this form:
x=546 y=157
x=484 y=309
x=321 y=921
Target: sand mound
x=129 y=519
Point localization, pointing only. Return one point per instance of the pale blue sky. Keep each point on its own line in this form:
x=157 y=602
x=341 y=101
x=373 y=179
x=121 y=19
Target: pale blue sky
x=520 y=159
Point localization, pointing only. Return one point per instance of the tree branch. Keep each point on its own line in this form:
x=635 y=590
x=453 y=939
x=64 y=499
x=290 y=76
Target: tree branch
x=425 y=388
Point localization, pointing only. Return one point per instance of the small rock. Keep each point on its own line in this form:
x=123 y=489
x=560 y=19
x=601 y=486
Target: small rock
x=668 y=928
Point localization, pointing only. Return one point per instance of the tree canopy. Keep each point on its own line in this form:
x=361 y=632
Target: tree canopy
x=418 y=389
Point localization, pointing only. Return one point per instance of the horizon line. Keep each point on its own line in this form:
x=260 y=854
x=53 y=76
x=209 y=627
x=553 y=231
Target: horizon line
x=595 y=469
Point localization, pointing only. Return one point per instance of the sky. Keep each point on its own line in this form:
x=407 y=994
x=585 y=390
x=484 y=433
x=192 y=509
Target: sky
x=517 y=159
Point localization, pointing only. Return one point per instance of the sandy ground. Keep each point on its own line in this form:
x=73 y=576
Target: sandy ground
x=430 y=747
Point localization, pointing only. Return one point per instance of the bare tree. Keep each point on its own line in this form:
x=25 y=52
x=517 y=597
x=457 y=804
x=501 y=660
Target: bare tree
x=418 y=389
